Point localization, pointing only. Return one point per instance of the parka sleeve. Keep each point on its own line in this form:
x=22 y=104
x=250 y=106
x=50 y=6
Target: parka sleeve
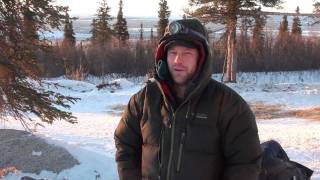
x=241 y=144
x=128 y=140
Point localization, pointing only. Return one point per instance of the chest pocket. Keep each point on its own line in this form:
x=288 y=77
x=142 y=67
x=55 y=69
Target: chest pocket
x=202 y=134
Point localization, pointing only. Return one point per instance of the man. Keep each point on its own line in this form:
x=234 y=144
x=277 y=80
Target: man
x=184 y=125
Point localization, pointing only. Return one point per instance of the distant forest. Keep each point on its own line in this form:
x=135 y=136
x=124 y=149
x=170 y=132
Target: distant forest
x=26 y=55
x=257 y=50
x=116 y=52
x=110 y=49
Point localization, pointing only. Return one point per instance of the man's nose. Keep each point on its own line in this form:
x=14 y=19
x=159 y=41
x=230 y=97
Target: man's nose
x=178 y=59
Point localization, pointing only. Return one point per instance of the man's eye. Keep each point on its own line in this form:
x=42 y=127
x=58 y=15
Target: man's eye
x=187 y=53
x=172 y=52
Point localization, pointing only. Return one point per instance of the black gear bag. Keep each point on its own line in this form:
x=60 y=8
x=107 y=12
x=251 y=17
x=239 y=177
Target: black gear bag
x=276 y=164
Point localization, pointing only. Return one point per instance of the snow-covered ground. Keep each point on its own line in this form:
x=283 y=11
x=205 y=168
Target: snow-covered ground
x=98 y=112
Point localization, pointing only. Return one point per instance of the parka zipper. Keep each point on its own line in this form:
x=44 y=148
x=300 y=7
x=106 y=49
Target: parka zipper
x=172 y=127
x=180 y=151
x=182 y=139
x=173 y=122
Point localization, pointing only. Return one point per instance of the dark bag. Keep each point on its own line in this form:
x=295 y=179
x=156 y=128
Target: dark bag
x=276 y=164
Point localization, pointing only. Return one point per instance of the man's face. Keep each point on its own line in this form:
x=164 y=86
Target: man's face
x=182 y=63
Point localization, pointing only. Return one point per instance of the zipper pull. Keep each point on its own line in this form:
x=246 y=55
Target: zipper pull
x=171 y=117
x=170 y=122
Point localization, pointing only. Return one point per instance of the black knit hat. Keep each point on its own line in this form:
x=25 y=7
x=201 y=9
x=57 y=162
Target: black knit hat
x=189 y=27
x=185 y=32
x=180 y=42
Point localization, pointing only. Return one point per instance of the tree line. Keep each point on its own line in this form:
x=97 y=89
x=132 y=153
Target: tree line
x=26 y=54
x=110 y=51
x=228 y=13
x=260 y=50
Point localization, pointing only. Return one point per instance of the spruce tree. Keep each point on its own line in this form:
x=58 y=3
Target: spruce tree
x=163 y=15
x=68 y=36
x=19 y=97
x=151 y=34
x=244 y=37
x=258 y=36
x=94 y=30
x=258 y=41
x=29 y=23
x=316 y=8
x=121 y=28
x=296 y=26
x=101 y=31
x=152 y=37
x=141 y=32
x=283 y=29
x=296 y=49
x=30 y=35
x=227 y=12
x=281 y=47
x=151 y=44
x=68 y=50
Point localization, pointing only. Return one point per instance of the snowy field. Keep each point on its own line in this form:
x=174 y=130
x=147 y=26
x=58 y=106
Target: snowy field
x=98 y=112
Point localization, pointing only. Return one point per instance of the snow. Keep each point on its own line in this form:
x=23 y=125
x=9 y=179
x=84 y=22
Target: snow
x=99 y=111
x=300 y=138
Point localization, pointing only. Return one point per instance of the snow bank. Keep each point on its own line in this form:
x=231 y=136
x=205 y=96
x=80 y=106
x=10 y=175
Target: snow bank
x=91 y=140
x=289 y=77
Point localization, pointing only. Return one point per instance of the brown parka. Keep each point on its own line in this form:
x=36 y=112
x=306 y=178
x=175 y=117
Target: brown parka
x=211 y=135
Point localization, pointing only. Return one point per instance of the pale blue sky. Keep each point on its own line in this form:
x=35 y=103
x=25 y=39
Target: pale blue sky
x=146 y=8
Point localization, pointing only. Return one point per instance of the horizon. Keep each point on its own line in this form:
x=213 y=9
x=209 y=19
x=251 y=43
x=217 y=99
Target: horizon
x=134 y=9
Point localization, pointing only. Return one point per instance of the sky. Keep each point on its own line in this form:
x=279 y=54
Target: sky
x=149 y=8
